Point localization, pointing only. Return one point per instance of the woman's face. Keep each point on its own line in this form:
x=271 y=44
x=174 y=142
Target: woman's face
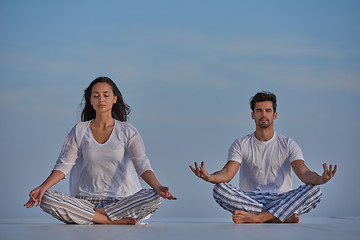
x=102 y=97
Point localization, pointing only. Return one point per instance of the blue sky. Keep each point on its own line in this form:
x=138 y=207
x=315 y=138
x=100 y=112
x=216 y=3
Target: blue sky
x=187 y=69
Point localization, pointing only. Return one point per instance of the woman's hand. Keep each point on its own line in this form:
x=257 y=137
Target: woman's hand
x=35 y=197
x=163 y=192
x=37 y=194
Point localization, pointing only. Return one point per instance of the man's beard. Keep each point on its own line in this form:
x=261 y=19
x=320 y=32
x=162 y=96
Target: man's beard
x=264 y=125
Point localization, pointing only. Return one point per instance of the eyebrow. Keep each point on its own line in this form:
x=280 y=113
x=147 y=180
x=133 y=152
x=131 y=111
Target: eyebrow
x=103 y=92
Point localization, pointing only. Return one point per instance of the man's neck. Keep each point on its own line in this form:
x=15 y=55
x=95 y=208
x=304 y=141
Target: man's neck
x=264 y=135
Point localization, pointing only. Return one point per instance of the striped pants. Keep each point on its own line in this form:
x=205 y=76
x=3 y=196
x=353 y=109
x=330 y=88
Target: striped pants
x=282 y=206
x=80 y=210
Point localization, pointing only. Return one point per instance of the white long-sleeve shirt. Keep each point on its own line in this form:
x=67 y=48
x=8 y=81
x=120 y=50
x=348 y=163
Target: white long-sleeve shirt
x=104 y=170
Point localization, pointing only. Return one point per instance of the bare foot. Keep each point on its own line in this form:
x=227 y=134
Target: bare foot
x=244 y=217
x=124 y=221
x=263 y=217
x=293 y=219
x=100 y=217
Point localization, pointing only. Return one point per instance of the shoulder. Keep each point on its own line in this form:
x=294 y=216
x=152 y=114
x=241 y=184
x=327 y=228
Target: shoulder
x=286 y=141
x=244 y=140
x=283 y=138
x=241 y=142
x=81 y=126
x=126 y=128
x=79 y=130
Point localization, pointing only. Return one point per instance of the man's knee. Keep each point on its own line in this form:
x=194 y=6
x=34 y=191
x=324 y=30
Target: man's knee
x=218 y=187
x=315 y=189
x=313 y=193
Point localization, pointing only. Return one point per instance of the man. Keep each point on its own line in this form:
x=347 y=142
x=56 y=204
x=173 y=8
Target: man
x=265 y=159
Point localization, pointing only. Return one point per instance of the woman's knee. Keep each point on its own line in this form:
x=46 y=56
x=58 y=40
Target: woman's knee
x=50 y=199
x=46 y=199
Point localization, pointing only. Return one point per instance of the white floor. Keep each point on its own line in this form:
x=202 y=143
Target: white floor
x=343 y=228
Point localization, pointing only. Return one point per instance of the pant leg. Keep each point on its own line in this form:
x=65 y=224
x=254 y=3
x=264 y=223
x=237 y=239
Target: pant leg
x=137 y=206
x=67 y=209
x=231 y=199
x=299 y=201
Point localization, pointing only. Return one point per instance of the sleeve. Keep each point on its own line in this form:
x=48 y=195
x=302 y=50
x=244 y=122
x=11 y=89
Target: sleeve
x=234 y=153
x=295 y=152
x=68 y=154
x=136 y=153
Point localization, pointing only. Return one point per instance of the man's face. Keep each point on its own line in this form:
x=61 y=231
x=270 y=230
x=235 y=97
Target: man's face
x=263 y=114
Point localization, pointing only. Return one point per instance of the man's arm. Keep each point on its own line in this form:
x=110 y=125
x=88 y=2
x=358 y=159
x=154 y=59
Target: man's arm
x=309 y=177
x=224 y=175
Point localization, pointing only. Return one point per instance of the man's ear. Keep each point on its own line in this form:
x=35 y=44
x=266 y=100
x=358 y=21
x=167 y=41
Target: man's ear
x=252 y=115
x=275 y=115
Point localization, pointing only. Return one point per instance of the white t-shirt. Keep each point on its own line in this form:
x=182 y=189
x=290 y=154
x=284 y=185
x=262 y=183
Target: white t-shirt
x=104 y=170
x=265 y=166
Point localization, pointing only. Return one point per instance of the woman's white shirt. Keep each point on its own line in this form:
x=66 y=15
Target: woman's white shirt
x=104 y=170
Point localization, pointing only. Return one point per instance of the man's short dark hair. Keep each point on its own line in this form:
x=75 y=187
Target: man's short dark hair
x=262 y=97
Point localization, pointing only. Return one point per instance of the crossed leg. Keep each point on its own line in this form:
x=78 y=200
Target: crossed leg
x=250 y=207
x=128 y=210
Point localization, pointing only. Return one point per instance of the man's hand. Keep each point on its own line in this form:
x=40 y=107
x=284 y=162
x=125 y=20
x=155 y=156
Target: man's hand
x=201 y=171
x=328 y=173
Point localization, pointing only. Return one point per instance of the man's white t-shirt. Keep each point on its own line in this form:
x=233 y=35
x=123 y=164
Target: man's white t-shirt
x=265 y=166
x=104 y=170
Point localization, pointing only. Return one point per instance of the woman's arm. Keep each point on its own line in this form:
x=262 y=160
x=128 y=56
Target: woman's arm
x=309 y=177
x=149 y=178
x=37 y=194
x=224 y=175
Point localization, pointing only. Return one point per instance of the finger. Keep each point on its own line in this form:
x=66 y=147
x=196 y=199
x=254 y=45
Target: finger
x=197 y=169
x=325 y=167
x=202 y=165
x=32 y=197
x=196 y=166
x=335 y=168
x=30 y=205
x=330 y=169
x=171 y=197
x=27 y=203
x=192 y=169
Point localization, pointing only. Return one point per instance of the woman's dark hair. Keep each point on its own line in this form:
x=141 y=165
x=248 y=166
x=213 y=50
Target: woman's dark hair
x=120 y=110
x=262 y=97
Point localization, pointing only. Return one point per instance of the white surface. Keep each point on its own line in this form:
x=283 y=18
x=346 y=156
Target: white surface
x=223 y=229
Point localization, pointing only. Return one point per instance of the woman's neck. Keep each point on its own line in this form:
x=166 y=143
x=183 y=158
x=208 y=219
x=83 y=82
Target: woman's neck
x=103 y=121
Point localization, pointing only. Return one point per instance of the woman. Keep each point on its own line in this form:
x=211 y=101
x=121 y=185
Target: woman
x=106 y=157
